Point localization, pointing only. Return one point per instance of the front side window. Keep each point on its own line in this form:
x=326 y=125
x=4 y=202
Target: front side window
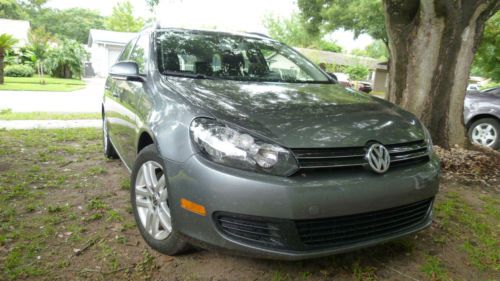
x=140 y=53
x=126 y=51
x=232 y=57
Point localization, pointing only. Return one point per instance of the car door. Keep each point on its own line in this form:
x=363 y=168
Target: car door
x=112 y=102
x=129 y=94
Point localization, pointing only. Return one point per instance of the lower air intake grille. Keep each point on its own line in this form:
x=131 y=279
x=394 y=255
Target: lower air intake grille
x=249 y=229
x=345 y=230
x=303 y=235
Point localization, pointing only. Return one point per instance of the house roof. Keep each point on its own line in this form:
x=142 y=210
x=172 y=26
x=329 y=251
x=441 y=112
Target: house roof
x=110 y=37
x=339 y=58
x=17 y=28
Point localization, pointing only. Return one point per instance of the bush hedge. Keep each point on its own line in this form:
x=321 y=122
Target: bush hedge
x=18 y=70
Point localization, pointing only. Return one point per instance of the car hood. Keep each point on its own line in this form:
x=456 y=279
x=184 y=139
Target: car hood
x=302 y=115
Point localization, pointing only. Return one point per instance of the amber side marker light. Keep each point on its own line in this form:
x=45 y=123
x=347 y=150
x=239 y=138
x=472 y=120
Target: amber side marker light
x=193 y=207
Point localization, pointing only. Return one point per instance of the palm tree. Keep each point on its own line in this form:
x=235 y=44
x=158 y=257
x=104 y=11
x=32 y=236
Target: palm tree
x=39 y=47
x=6 y=42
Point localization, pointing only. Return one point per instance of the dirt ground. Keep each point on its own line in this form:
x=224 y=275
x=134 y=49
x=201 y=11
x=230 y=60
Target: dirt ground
x=66 y=216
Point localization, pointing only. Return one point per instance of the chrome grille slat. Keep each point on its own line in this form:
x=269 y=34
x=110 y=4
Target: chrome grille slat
x=321 y=158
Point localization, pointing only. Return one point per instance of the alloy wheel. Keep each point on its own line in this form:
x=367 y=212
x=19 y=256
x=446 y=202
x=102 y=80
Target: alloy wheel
x=484 y=134
x=151 y=200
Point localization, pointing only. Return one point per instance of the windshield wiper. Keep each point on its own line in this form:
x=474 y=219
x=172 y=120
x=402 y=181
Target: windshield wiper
x=187 y=75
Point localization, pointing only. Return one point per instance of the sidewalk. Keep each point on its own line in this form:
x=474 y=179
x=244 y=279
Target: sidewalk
x=48 y=124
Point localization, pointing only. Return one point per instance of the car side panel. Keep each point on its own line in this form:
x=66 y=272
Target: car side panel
x=166 y=116
x=481 y=104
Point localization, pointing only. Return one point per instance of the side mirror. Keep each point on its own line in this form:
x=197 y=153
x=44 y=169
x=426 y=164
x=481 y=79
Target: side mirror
x=125 y=70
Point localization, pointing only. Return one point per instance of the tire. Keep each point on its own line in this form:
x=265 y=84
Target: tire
x=109 y=149
x=152 y=202
x=485 y=132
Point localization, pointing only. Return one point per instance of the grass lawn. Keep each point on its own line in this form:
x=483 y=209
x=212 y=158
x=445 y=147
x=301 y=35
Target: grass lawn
x=66 y=215
x=378 y=94
x=33 y=84
x=9 y=115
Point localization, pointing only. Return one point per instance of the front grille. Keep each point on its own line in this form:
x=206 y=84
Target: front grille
x=303 y=235
x=339 y=231
x=318 y=158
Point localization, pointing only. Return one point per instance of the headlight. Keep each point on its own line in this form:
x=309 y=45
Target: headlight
x=233 y=148
x=428 y=140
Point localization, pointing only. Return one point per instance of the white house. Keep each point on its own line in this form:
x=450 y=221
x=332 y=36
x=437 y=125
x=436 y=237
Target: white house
x=105 y=46
x=17 y=28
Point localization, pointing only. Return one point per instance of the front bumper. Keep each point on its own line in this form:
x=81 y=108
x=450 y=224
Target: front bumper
x=316 y=196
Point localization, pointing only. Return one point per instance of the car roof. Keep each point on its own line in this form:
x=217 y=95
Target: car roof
x=212 y=31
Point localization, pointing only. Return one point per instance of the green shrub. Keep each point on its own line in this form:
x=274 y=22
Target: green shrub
x=18 y=70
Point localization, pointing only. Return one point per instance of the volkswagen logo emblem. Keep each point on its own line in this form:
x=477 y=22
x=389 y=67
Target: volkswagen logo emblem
x=378 y=158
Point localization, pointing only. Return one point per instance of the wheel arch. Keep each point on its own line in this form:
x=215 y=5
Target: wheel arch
x=145 y=138
x=480 y=116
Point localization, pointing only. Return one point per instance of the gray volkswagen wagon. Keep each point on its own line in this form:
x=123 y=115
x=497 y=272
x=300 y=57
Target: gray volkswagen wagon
x=237 y=142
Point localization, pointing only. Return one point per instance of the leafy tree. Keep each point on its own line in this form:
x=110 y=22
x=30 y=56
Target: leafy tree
x=293 y=32
x=39 y=46
x=122 y=19
x=6 y=43
x=357 y=72
x=152 y=4
x=10 y=9
x=487 y=58
x=359 y=16
x=74 y=23
x=376 y=50
x=66 y=60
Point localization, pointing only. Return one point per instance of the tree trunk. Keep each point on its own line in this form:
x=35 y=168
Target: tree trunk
x=2 y=56
x=432 y=43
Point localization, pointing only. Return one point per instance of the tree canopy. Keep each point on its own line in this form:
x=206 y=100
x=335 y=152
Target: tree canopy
x=122 y=19
x=487 y=58
x=376 y=50
x=74 y=23
x=359 y=16
x=10 y=9
x=292 y=31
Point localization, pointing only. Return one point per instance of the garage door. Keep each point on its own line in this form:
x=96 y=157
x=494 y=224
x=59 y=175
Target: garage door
x=113 y=55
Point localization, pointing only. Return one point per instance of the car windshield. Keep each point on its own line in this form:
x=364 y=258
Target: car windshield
x=226 y=56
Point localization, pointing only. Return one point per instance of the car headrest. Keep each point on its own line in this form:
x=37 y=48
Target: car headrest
x=172 y=62
x=231 y=63
x=203 y=67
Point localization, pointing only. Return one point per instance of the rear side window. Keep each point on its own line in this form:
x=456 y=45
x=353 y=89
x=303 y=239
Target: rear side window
x=126 y=51
x=140 y=53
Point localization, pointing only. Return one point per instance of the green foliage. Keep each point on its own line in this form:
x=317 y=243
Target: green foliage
x=122 y=19
x=293 y=32
x=66 y=60
x=487 y=58
x=74 y=23
x=376 y=50
x=152 y=3
x=359 y=16
x=19 y=70
x=434 y=269
x=10 y=9
x=7 y=41
x=357 y=72
x=39 y=46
